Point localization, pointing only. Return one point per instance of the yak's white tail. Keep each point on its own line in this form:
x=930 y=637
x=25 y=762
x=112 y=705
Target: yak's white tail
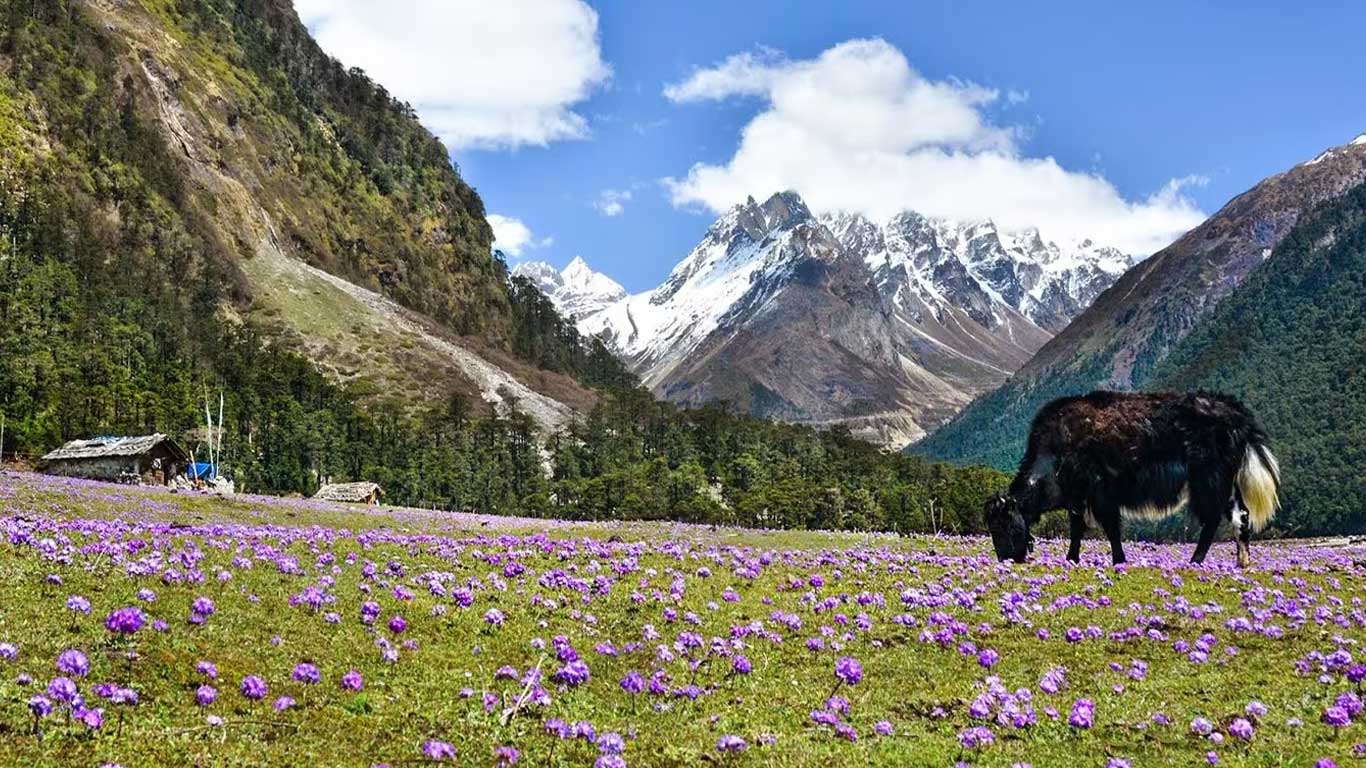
x=1259 y=479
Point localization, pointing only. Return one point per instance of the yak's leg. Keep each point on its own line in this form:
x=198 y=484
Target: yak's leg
x=1242 y=526
x=1209 y=500
x=1078 y=529
x=1107 y=514
x=1206 y=538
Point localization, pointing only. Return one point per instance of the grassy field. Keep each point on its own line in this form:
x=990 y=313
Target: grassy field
x=404 y=637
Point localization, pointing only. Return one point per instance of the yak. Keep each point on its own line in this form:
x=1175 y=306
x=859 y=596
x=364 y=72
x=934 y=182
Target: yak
x=1110 y=455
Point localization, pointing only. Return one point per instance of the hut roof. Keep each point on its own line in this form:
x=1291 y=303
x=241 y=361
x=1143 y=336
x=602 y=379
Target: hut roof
x=99 y=447
x=347 y=491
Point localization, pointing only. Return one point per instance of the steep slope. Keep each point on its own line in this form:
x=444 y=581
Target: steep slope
x=1131 y=327
x=1291 y=340
x=182 y=183
x=272 y=150
x=887 y=328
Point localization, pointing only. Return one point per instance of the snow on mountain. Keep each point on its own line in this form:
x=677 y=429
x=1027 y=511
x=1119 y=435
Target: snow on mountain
x=577 y=290
x=964 y=263
x=887 y=326
x=750 y=245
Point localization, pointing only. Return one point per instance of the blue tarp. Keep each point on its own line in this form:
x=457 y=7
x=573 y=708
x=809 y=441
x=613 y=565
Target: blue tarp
x=201 y=471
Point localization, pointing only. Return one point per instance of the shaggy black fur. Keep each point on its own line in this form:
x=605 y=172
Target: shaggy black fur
x=1110 y=453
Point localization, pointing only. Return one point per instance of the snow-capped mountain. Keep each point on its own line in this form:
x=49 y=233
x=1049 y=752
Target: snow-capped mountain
x=978 y=266
x=577 y=290
x=887 y=326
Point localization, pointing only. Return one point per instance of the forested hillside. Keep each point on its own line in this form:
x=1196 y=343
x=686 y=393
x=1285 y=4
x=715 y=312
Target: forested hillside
x=155 y=157
x=1292 y=342
x=1119 y=341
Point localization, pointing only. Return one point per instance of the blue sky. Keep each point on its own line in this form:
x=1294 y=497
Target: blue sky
x=1134 y=95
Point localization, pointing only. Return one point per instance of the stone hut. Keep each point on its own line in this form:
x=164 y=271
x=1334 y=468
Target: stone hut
x=150 y=459
x=354 y=493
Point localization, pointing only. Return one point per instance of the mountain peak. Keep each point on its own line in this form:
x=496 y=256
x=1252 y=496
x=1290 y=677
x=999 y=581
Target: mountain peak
x=784 y=209
x=577 y=290
x=577 y=267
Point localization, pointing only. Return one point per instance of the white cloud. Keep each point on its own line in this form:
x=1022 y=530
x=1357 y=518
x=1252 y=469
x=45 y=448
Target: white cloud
x=612 y=202
x=513 y=237
x=480 y=74
x=858 y=129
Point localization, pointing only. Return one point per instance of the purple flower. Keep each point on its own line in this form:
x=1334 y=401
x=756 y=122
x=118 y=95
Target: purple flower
x=254 y=688
x=9 y=651
x=572 y=674
x=633 y=682
x=73 y=662
x=1337 y=717
x=976 y=736
x=883 y=728
x=283 y=703
x=505 y=756
x=1201 y=727
x=988 y=658
x=78 y=604
x=741 y=664
x=207 y=669
x=1256 y=709
x=352 y=681
x=205 y=694
x=824 y=717
x=1053 y=680
x=1117 y=762
x=1083 y=714
x=1241 y=728
x=398 y=625
x=731 y=744
x=1350 y=702
x=90 y=718
x=611 y=743
x=40 y=706
x=494 y=617
x=307 y=673
x=438 y=750
x=202 y=606
x=849 y=670
x=124 y=621
x=62 y=689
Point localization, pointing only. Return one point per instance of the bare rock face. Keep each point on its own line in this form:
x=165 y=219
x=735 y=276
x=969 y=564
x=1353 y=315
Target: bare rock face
x=886 y=327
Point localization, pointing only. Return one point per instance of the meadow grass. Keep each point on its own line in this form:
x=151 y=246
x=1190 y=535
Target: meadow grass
x=947 y=640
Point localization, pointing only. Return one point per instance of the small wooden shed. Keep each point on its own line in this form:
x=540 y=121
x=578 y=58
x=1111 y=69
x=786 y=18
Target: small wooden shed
x=153 y=459
x=353 y=493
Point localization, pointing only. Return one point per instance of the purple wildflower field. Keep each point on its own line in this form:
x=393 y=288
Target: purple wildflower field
x=144 y=628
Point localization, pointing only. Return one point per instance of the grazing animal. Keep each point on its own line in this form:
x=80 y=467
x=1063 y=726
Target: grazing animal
x=1110 y=455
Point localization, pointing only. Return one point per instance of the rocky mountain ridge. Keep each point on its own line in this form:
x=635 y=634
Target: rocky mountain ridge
x=888 y=327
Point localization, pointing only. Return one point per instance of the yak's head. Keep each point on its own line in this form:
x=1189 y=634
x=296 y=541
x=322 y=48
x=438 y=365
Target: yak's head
x=1009 y=534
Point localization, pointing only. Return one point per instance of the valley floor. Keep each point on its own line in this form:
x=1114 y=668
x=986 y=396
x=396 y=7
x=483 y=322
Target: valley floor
x=142 y=628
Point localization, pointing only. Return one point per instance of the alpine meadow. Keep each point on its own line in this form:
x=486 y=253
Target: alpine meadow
x=591 y=383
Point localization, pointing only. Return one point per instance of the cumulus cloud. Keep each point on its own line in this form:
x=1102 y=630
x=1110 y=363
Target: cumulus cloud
x=858 y=129
x=513 y=237
x=480 y=74
x=612 y=202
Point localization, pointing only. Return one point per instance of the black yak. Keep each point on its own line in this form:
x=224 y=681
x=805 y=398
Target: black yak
x=1109 y=455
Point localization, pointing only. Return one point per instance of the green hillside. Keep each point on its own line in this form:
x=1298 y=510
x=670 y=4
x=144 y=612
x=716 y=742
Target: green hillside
x=1291 y=341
